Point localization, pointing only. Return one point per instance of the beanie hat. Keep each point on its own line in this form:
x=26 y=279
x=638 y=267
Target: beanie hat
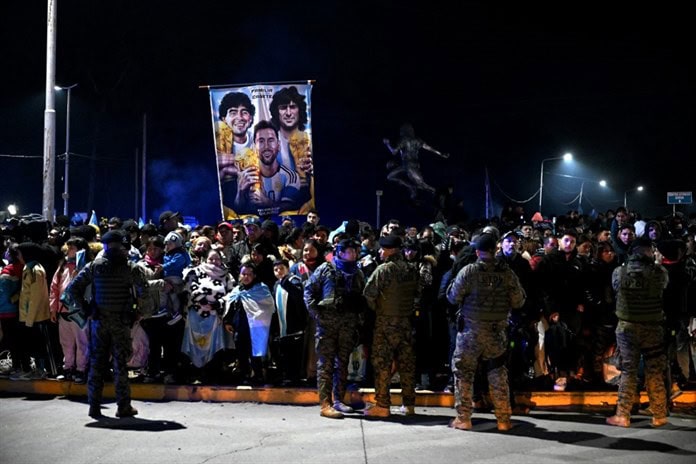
x=175 y=238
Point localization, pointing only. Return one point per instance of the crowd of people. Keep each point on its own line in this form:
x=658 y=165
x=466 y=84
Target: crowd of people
x=478 y=309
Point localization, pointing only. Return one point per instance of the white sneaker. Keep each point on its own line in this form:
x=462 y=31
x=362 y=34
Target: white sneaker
x=561 y=384
x=175 y=318
x=408 y=410
x=342 y=407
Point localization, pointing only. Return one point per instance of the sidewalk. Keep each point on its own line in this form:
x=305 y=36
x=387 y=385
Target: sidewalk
x=307 y=396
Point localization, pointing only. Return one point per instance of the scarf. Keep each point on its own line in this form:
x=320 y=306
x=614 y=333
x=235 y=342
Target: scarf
x=152 y=262
x=348 y=269
x=213 y=271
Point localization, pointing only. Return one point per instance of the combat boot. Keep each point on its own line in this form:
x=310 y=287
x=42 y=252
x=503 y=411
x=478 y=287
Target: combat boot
x=655 y=422
x=504 y=424
x=126 y=411
x=330 y=412
x=377 y=411
x=619 y=421
x=461 y=423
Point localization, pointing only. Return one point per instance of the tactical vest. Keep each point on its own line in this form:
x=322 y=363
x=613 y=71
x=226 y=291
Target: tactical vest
x=112 y=286
x=397 y=298
x=489 y=299
x=639 y=292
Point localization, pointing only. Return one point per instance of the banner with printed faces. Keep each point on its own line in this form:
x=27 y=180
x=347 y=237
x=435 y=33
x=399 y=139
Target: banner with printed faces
x=263 y=149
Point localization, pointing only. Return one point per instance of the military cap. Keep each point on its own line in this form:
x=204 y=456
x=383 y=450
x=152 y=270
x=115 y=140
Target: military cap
x=390 y=241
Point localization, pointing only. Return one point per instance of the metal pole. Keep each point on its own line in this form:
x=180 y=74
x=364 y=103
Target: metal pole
x=144 y=170
x=378 y=193
x=625 y=195
x=488 y=196
x=582 y=185
x=49 y=148
x=135 y=179
x=541 y=185
x=66 y=192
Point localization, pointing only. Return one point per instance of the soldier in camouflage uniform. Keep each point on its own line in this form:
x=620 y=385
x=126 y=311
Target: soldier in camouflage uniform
x=333 y=295
x=391 y=292
x=113 y=279
x=485 y=291
x=639 y=284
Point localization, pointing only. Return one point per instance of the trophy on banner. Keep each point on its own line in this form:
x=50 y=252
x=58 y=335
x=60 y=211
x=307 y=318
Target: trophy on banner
x=300 y=149
x=249 y=158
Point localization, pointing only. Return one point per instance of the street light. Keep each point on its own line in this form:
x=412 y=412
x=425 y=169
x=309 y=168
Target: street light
x=66 y=194
x=567 y=158
x=602 y=183
x=639 y=189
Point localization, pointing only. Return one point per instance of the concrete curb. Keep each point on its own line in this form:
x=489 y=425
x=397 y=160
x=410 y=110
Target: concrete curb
x=307 y=396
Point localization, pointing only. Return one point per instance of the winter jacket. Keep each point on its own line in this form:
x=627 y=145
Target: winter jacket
x=33 y=300
x=10 y=285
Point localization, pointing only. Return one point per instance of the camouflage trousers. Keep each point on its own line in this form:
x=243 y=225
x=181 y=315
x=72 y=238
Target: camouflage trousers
x=635 y=340
x=334 y=341
x=393 y=341
x=109 y=339
x=486 y=341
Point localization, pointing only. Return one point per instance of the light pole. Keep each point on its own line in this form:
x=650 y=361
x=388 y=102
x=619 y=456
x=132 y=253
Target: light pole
x=66 y=194
x=639 y=189
x=602 y=183
x=567 y=157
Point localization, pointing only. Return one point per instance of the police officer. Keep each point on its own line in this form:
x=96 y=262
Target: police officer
x=639 y=285
x=116 y=283
x=333 y=295
x=485 y=291
x=391 y=292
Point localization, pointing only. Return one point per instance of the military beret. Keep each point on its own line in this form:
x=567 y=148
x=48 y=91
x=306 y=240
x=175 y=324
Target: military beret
x=640 y=242
x=390 y=241
x=115 y=236
x=485 y=242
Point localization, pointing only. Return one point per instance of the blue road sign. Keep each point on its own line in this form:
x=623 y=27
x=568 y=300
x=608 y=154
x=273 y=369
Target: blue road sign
x=679 y=198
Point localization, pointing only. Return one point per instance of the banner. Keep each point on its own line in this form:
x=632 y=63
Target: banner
x=263 y=148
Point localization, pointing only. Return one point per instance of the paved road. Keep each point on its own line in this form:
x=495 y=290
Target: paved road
x=48 y=429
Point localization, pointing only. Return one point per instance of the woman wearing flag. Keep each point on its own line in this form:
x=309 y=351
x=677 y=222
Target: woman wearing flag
x=248 y=318
x=206 y=287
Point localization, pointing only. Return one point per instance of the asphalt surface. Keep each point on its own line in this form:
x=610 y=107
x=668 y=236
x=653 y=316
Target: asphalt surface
x=56 y=429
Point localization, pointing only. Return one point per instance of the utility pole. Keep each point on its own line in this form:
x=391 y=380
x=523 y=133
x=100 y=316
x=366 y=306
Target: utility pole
x=144 y=169
x=49 y=149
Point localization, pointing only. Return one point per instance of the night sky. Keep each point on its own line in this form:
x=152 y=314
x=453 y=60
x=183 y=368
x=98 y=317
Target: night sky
x=498 y=88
